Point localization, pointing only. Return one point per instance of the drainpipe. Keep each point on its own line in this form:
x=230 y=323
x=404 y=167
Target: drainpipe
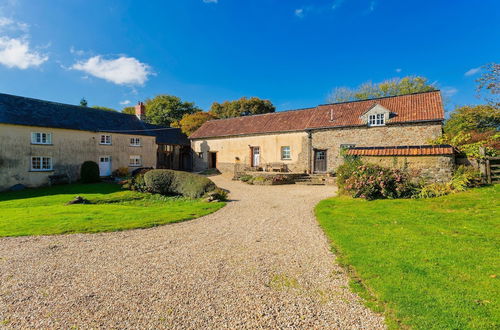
x=309 y=152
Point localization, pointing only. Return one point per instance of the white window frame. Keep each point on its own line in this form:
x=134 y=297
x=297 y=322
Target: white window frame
x=135 y=142
x=41 y=138
x=105 y=139
x=42 y=160
x=377 y=119
x=283 y=153
x=135 y=160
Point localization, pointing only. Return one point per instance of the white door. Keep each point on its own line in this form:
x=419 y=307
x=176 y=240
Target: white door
x=256 y=156
x=105 y=166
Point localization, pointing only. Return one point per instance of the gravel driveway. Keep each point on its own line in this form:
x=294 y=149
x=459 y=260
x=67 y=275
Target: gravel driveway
x=261 y=261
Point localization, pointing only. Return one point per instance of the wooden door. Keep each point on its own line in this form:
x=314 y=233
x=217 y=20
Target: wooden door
x=255 y=156
x=105 y=166
x=319 y=161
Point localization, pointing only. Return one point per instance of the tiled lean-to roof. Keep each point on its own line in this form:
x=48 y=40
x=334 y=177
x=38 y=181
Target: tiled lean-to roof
x=20 y=110
x=418 y=107
x=425 y=150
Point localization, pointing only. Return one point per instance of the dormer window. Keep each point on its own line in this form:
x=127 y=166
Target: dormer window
x=376 y=119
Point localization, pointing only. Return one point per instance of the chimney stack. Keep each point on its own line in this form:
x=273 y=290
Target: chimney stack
x=140 y=111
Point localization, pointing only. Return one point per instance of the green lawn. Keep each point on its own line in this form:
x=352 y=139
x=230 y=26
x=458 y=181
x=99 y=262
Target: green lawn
x=428 y=263
x=43 y=211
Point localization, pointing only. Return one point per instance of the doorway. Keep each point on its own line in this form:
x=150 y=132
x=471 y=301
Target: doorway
x=255 y=156
x=105 y=166
x=212 y=160
x=319 y=161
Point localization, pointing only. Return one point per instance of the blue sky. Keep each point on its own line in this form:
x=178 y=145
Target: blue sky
x=291 y=52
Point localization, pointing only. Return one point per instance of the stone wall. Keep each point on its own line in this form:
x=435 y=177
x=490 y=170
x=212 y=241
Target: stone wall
x=431 y=168
x=390 y=135
x=236 y=150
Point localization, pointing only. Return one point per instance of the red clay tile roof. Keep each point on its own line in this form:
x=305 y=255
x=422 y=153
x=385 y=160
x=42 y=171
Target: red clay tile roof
x=402 y=151
x=405 y=108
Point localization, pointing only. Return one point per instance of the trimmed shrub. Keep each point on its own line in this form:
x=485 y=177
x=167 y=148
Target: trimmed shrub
x=89 y=172
x=169 y=182
x=121 y=172
x=137 y=183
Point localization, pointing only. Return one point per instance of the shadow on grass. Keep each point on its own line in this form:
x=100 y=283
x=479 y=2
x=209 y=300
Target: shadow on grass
x=73 y=189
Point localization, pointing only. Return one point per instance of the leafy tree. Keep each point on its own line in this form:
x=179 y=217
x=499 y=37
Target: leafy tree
x=242 y=107
x=129 y=110
x=390 y=87
x=191 y=122
x=167 y=109
x=103 y=108
x=479 y=118
x=471 y=127
x=83 y=102
x=490 y=82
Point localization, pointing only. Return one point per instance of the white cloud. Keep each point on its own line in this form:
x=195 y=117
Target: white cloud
x=299 y=12
x=449 y=91
x=472 y=71
x=9 y=24
x=210 y=1
x=126 y=102
x=16 y=53
x=121 y=71
x=76 y=52
x=398 y=70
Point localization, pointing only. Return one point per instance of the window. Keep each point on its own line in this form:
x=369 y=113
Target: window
x=135 y=161
x=105 y=139
x=285 y=153
x=41 y=138
x=135 y=142
x=347 y=146
x=41 y=163
x=376 y=120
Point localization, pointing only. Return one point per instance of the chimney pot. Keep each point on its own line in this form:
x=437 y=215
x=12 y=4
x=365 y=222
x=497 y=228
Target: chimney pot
x=140 y=111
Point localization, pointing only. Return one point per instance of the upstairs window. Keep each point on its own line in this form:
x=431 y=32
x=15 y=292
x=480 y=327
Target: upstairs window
x=135 y=142
x=135 y=161
x=286 y=153
x=41 y=163
x=41 y=138
x=105 y=139
x=376 y=120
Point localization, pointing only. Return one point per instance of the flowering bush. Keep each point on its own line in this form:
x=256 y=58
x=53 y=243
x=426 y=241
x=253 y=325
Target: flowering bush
x=373 y=182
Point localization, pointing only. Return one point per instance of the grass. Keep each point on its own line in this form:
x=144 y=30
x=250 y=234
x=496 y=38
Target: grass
x=43 y=211
x=427 y=263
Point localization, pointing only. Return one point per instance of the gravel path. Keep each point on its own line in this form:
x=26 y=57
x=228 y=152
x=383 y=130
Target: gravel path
x=260 y=262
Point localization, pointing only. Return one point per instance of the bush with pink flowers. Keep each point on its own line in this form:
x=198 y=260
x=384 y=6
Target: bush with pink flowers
x=374 y=182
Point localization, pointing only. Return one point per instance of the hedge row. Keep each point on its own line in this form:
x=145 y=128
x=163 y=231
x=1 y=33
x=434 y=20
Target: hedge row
x=169 y=182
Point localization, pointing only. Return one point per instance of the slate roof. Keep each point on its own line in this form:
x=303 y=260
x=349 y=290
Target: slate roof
x=417 y=107
x=424 y=150
x=20 y=110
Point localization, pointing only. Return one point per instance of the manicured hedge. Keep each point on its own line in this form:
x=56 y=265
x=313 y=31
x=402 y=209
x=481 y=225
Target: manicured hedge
x=169 y=182
x=89 y=172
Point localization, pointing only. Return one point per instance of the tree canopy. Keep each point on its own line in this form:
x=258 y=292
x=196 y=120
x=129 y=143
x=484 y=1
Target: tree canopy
x=129 y=110
x=191 y=122
x=103 y=108
x=389 y=87
x=167 y=109
x=242 y=107
x=489 y=82
x=471 y=127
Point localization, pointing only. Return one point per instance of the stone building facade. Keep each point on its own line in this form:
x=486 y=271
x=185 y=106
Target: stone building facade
x=310 y=140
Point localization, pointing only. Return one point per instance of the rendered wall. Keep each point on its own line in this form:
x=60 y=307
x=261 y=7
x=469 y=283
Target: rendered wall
x=69 y=149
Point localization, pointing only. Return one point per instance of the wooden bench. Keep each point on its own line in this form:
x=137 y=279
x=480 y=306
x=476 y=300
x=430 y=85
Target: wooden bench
x=276 y=167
